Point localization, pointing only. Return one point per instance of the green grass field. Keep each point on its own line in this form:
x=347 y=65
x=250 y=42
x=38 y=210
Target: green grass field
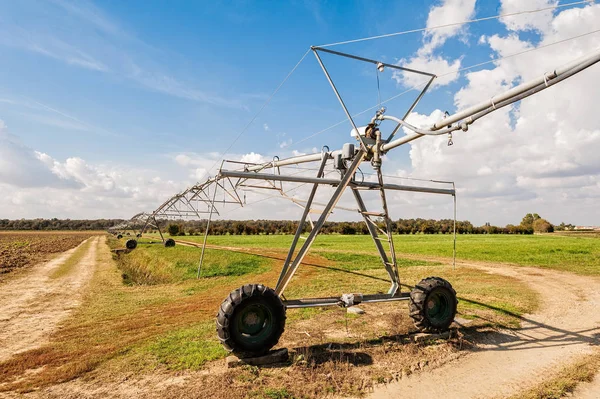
x=338 y=264
x=574 y=253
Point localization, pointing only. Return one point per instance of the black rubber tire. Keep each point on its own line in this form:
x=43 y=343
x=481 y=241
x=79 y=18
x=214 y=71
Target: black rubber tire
x=131 y=244
x=119 y=236
x=169 y=243
x=228 y=319
x=422 y=299
x=138 y=235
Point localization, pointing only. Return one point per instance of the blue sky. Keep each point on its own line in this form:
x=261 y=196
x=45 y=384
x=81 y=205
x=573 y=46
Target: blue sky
x=159 y=77
x=142 y=97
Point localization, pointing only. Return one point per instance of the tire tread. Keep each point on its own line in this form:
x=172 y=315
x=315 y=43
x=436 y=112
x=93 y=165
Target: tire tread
x=227 y=309
x=418 y=298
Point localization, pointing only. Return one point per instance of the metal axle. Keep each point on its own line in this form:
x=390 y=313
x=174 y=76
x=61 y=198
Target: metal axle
x=335 y=301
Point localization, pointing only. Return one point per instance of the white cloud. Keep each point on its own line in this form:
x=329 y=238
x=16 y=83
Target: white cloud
x=253 y=157
x=282 y=142
x=91 y=15
x=34 y=184
x=192 y=159
x=56 y=122
x=286 y=143
x=266 y=127
x=20 y=167
x=448 y=12
x=184 y=160
x=427 y=63
x=539 y=155
x=75 y=169
x=197 y=165
x=540 y=21
x=199 y=173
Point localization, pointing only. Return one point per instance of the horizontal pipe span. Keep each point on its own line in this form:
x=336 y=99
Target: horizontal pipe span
x=332 y=182
x=516 y=93
x=290 y=161
x=401 y=141
x=579 y=64
x=332 y=301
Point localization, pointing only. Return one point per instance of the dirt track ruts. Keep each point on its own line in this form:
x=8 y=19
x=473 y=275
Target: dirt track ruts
x=566 y=325
x=32 y=303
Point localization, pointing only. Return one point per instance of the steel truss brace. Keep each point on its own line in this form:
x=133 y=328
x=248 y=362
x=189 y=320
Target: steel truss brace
x=289 y=270
x=381 y=236
x=301 y=223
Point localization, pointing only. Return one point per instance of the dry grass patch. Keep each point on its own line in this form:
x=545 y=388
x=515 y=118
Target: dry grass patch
x=67 y=266
x=564 y=382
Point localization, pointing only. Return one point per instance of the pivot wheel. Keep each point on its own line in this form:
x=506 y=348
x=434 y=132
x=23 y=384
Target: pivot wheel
x=251 y=320
x=119 y=236
x=433 y=304
x=169 y=243
x=131 y=244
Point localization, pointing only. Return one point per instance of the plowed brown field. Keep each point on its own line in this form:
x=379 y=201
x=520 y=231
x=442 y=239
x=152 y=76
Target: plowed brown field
x=19 y=248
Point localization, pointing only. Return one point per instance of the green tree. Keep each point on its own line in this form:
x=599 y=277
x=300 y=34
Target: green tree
x=173 y=229
x=542 y=226
x=529 y=219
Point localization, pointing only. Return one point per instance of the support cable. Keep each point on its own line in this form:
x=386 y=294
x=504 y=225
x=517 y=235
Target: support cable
x=421 y=85
x=259 y=111
x=470 y=21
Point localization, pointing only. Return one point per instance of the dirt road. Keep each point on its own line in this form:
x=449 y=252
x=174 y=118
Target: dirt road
x=566 y=325
x=589 y=390
x=33 y=302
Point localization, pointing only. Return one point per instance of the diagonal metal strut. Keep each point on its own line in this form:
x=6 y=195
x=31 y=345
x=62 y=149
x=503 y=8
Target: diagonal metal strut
x=348 y=176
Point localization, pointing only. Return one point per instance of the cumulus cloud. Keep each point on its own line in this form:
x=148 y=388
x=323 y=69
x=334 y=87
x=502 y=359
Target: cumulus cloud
x=197 y=165
x=282 y=142
x=20 y=167
x=35 y=184
x=253 y=157
x=75 y=169
x=448 y=12
x=539 y=155
x=540 y=21
x=446 y=70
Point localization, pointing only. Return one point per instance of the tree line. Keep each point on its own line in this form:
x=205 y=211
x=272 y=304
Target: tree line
x=531 y=223
x=58 y=224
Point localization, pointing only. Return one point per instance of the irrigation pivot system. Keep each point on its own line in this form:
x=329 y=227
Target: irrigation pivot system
x=137 y=225
x=251 y=319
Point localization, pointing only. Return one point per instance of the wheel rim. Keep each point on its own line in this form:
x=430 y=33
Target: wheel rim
x=439 y=308
x=253 y=324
